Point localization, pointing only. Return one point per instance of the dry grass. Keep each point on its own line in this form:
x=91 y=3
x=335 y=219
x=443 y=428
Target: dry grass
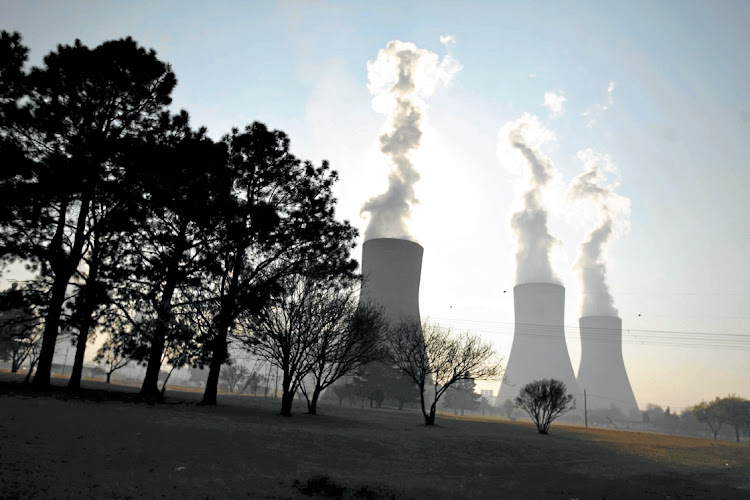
x=96 y=446
x=681 y=451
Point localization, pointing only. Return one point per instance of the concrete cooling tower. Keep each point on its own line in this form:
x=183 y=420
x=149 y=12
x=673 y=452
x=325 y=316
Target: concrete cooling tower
x=602 y=370
x=539 y=349
x=392 y=269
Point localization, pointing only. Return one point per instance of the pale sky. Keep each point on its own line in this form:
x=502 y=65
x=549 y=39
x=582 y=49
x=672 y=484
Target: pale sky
x=658 y=87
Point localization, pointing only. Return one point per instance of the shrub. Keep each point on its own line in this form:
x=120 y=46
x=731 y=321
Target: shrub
x=544 y=401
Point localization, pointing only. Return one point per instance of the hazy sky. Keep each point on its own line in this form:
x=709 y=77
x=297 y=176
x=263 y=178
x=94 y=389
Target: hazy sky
x=659 y=87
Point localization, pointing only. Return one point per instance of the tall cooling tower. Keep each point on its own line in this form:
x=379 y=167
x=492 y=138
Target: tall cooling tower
x=539 y=349
x=602 y=371
x=392 y=268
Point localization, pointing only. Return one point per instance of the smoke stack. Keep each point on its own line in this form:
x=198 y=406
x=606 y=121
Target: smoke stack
x=392 y=268
x=539 y=349
x=602 y=370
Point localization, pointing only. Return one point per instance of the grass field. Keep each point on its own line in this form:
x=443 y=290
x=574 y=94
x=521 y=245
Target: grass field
x=107 y=445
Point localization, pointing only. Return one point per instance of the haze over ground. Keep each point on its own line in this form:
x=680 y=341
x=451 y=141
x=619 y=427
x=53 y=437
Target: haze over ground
x=659 y=88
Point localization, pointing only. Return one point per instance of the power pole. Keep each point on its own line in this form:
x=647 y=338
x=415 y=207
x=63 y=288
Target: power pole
x=585 y=410
x=65 y=363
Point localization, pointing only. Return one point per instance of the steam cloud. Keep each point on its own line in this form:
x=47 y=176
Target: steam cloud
x=529 y=223
x=613 y=210
x=401 y=78
x=555 y=102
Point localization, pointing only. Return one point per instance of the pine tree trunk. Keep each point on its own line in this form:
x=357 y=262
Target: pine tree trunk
x=74 y=383
x=226 y=318
x=164 y=385
x=51 y=327
x=150 y=386
x=15 y=363
x=218 y=357
x=212 y=382
x=87 y=310
x=64 y=266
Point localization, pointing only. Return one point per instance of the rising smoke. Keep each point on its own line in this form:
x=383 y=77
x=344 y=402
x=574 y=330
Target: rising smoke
x=529 y=223
x=613 y=213
x=401 y=78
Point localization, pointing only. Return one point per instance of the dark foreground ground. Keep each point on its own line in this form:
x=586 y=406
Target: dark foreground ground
x=107 y=445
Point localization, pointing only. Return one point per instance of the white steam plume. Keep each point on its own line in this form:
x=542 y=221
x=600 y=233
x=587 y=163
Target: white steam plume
x=555 y=102
x=529 y=224
x=401 y=78
x=613 y=217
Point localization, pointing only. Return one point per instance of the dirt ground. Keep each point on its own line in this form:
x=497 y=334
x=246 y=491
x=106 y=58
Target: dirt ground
x=108 y=445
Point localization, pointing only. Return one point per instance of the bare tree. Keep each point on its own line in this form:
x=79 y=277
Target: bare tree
x=507 y=408
x=315 y=334
x=283 y=333
x=97 y=371
x=253 y=378
x=233 y=375
x=348 y=338
x=544 y=400
x=253 y=381
x=435 y=358
x=20 y=329
x=112 y=354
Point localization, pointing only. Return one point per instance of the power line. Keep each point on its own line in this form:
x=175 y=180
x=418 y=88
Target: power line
x=714 y=340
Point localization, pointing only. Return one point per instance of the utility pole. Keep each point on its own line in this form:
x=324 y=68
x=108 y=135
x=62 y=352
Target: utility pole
x=65 y=363
x=585 y=410
x=268 y=381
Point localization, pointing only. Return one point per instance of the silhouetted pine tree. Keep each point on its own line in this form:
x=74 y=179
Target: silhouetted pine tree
x=183 y=180
x=278 y=221
x=81 y=111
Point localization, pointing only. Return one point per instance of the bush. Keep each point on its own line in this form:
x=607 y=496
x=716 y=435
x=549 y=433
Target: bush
x=544 y=401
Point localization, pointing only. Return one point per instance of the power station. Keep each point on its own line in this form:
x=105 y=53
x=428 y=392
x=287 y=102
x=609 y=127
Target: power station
x=539 y=349
x=392 y=269
x=602 y=370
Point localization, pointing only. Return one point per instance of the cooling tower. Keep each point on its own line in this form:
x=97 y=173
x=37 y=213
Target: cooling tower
x=391 y=268
x=602 y=371
x=539 y=349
